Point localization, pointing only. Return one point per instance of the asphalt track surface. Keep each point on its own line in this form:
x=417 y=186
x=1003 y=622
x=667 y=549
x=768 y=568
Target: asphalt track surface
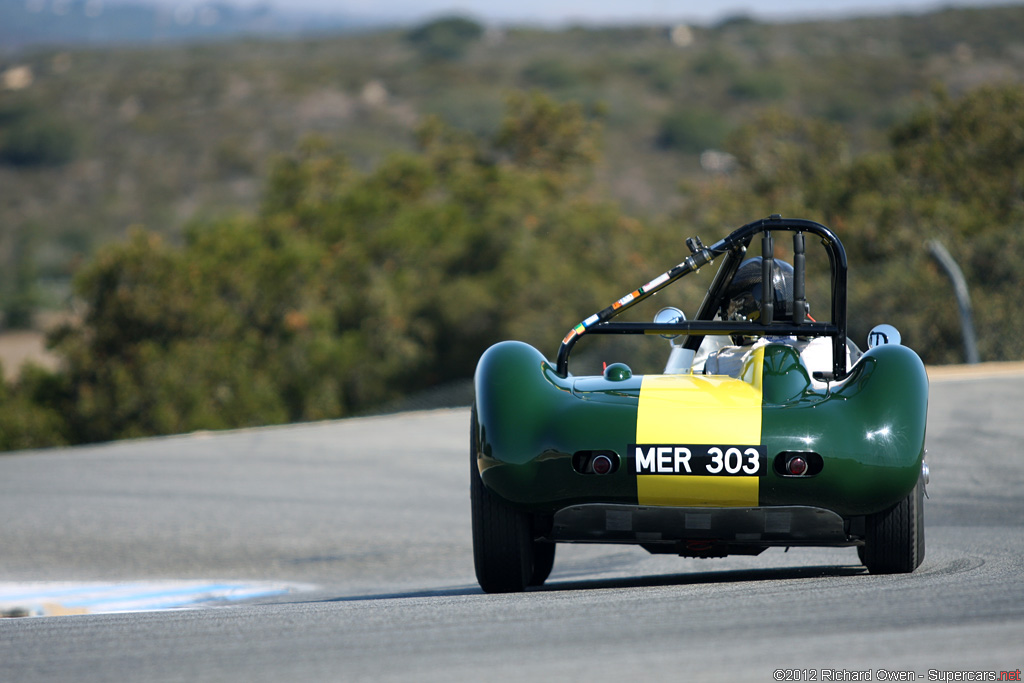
x=365 y=525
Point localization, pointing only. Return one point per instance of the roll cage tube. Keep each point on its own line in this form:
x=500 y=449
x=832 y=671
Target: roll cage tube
x=733 y=246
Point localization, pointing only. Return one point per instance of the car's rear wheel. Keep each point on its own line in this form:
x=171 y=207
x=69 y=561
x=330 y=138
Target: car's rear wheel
x=503 y=545
x=894 y=539
x=543 y=561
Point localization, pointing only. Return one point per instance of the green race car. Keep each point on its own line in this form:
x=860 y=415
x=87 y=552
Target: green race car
x=767 y=428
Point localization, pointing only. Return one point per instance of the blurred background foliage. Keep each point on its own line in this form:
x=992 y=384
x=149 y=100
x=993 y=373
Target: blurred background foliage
x=259 y=232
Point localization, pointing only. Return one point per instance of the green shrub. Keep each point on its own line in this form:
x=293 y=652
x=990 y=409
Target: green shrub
x=692 y=130
x=758 y=86
x=547 y=72
x=32 y=141
x=350 y=288
x=445 y=39
x=29 y=413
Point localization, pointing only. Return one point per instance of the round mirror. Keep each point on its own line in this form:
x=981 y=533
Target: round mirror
x=883 y=334
x=667 y=315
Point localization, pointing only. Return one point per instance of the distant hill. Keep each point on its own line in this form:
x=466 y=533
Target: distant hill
x=97 y=22
x=109 y=120
x=334 y=221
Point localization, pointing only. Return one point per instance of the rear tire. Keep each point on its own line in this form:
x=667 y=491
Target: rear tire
x=543 y=561
x=503 y=545
x=894 y=539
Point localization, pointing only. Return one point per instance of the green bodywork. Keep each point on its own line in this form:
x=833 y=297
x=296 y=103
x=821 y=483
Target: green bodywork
x=868 y=429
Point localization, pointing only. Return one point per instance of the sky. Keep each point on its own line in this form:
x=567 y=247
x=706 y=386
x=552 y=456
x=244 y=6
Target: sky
x=556 y=12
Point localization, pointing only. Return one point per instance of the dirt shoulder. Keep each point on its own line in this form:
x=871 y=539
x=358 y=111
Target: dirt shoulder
x=20 y=346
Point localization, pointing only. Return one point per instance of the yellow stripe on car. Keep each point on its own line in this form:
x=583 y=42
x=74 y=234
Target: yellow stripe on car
x=698 y=409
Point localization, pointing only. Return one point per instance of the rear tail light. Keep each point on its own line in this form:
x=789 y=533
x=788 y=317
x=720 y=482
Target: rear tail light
x=602 y=464
x=796 y=466
x=595 y=462
x=798 y=463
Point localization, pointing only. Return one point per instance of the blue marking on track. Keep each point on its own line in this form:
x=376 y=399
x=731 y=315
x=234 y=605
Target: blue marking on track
x=185 y=594
x=138 y=596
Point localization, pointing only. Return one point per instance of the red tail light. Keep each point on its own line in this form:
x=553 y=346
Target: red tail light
x=796 y=466
x=602 y=464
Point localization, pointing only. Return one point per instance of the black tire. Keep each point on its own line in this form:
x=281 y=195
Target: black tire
x=543 y=561
x=503 y=546
x=894 y=539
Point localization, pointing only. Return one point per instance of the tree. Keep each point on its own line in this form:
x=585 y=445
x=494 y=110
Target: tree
x=30 y=137
x=445 y=39
x=953 y=172
x=349 y=288
x=22 y=292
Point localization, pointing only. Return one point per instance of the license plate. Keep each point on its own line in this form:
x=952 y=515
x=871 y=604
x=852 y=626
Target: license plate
x=702 y=460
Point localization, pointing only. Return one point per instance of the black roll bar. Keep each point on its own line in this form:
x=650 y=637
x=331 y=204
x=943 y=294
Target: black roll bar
x=799 y=279
x=733 y=246
x=767 y=278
